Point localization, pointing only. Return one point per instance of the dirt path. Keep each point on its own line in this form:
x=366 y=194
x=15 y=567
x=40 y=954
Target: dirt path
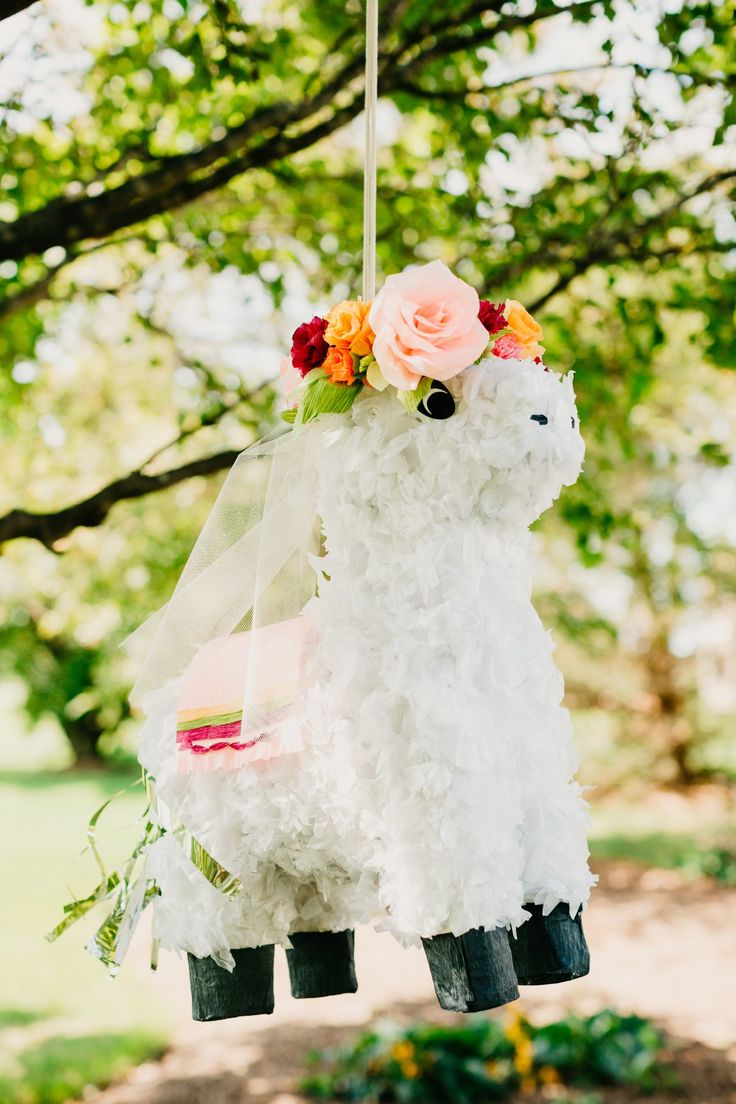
x=661 y=947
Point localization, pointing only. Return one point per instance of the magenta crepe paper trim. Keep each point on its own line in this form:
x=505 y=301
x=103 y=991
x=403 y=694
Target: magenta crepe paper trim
x=190 y=739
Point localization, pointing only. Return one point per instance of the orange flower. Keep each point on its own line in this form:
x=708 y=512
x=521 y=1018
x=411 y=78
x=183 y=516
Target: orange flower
x=347 y=327
x=339 y=365
x=526 y=331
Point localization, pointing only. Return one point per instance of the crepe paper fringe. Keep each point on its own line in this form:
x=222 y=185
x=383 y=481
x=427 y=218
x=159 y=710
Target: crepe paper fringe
x=211 y=734
x=131 y=890
x=193 y=739
x=215 y=727
x=217 y=737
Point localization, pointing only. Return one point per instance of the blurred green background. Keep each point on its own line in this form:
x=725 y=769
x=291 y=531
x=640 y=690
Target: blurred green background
x=180 y=186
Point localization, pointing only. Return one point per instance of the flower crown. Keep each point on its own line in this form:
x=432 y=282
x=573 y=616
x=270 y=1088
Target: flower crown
x=424 y=327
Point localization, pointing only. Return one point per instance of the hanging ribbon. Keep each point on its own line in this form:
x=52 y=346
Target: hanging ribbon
x=369 y=166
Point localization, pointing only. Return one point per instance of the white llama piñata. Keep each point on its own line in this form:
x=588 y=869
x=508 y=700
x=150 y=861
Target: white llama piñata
x=410 y=764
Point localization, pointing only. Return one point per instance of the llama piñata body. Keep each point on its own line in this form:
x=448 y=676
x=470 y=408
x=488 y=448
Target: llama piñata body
x=425 y=782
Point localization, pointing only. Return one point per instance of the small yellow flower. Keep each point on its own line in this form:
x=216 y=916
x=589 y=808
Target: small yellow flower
x=410 y=1070
x=548 y=1075
x=402 y=1052
x=528 y=1085
x=514 y=1028
x=524 y=1057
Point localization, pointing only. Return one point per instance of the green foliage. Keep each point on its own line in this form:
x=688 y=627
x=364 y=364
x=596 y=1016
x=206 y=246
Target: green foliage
x=62 y=1068
x=324 y=397
x=483 y=1060
x=692 y=857
x=18 y=1017
x=188 y=155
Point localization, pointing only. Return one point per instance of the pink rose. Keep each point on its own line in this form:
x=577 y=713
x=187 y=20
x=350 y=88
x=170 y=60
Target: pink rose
x=426 y=324
x=508 y=347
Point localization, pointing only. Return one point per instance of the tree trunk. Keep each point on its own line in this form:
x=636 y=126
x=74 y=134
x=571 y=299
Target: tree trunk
x=664 y=672
x=84 y=734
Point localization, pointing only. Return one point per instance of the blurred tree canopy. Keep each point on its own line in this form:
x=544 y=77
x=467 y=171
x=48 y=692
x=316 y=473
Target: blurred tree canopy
x=172 y=165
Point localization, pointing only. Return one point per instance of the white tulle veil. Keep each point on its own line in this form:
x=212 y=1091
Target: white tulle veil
x=252 y=567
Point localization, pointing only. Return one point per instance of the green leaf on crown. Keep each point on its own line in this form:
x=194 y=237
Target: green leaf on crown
x=412 y=399
x=288 y=416
x=365 y=362
x=324 y=397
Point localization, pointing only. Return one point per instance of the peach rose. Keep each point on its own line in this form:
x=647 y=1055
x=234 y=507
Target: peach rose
x=338 y=365
x=426 y=324
x=290 y=379
x=348 y=328
x=526 y=331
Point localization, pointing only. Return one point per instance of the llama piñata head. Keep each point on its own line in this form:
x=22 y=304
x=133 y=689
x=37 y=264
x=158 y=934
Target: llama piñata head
x=500 y=434
x=524 y=422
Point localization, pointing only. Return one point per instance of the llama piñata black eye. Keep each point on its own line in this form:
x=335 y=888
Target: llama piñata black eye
x=438 y=404
x=541 y=418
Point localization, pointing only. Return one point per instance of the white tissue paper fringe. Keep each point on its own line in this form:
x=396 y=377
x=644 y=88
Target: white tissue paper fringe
x=433 y=790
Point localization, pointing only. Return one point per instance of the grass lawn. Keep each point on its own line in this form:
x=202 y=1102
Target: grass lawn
x=692 y=833
x=63 y=1024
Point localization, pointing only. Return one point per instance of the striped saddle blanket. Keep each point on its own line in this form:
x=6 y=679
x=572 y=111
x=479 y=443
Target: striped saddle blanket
x=238 y=697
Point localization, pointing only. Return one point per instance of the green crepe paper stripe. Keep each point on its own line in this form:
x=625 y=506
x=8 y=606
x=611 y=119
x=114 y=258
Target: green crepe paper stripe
x=212 y=720
x=209 y=720
x=324 y=397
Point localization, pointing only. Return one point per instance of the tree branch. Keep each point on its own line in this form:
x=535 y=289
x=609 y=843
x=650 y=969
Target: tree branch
x=459 y=95
x=50 y=527
x=268 y=135
x=606 y=248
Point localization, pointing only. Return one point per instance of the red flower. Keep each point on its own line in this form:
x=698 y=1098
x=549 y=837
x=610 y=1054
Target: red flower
x=308 y=345
x=492 y=316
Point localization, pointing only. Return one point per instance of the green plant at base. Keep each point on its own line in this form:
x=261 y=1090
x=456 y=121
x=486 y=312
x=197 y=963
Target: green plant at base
x=487 y=1060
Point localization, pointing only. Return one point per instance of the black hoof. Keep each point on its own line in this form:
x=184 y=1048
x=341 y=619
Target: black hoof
x=549 y=949
x=321 y=964
x=218 y=994
x=472 y=972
